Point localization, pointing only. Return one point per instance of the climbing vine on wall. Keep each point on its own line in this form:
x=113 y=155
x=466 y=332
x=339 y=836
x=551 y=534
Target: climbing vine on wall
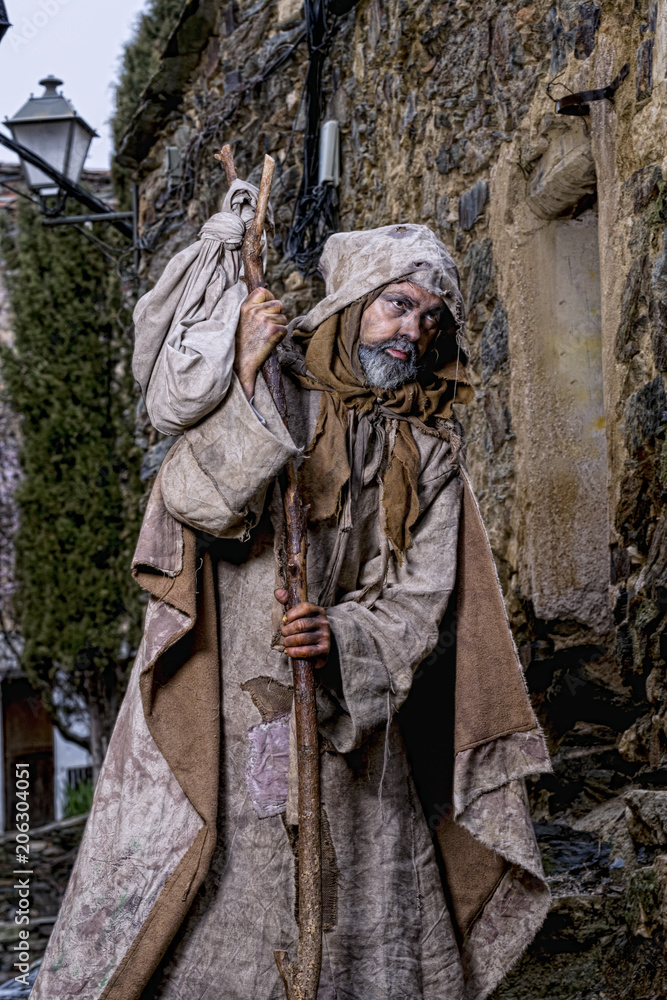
x=141 y=58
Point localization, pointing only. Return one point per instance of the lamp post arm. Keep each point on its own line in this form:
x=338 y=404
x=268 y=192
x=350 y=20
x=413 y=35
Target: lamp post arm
x=73 y=220
x=69 y=187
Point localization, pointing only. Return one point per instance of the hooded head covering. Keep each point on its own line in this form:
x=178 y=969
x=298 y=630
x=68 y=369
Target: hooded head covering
x=355 y=264
x=356 y=267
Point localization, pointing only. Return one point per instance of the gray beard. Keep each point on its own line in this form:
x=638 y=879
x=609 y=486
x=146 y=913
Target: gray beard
x=385 y=372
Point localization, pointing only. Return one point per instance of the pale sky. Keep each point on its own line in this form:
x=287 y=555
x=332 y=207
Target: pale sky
x=80 y=41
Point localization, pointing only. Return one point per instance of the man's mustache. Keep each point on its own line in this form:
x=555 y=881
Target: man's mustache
x=399 y=344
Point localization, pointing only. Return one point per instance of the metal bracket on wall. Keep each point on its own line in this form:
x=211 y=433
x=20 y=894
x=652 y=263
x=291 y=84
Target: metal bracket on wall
x=109 y=217
x=579 y=104
x=173 y=165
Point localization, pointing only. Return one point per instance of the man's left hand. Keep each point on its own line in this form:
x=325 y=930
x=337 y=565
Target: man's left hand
x=305 y=631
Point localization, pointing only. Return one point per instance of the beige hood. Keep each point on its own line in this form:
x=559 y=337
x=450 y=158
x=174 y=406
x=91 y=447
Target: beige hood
x=354 y=264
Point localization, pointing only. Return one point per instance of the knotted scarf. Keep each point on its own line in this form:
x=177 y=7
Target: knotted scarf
x=333 y=367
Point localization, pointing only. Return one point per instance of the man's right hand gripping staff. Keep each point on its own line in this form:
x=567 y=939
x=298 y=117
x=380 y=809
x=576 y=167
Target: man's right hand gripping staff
x=262 y=325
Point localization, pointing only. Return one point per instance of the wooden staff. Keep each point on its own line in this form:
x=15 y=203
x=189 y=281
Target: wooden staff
x=301 y=978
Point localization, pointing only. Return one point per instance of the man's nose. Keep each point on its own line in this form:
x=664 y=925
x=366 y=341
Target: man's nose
x=410 y=327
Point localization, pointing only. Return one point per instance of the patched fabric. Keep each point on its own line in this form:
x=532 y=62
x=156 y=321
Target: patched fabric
x=483 y=768
x=122 y=865
x=271 y=698
x=268 y=766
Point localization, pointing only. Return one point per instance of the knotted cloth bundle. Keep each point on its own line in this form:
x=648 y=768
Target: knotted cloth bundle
x=194 y=309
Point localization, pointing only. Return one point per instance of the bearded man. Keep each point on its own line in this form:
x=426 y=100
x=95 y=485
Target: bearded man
x=432 y=881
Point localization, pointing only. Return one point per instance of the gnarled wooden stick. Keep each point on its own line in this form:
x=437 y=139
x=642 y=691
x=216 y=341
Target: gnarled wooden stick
x=301 y=978
x=226 y=157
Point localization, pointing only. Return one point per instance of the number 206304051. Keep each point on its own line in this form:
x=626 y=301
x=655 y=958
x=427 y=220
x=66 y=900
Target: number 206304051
x=22 y=784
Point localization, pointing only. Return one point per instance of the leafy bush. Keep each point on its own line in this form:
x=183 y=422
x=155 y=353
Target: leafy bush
x=79 y=799
x=68 y=379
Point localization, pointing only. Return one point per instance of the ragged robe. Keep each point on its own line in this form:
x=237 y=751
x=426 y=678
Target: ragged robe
x=184 y=884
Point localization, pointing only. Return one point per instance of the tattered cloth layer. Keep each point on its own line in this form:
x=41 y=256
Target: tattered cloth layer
x=333 y=367
x=494 y=879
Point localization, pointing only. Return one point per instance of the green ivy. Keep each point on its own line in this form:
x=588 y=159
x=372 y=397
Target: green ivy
x=141 y=59
x=68 y=379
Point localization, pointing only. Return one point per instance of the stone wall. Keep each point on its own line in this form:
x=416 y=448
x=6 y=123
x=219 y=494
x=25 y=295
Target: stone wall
x=53 y=851
x=447 y=115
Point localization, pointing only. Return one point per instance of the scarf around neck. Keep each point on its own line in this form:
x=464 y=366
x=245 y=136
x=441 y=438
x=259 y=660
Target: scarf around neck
x=331 y=355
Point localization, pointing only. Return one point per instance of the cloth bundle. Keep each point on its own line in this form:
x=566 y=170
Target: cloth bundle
x=194 y=308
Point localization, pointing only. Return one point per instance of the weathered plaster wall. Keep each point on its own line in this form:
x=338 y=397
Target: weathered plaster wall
x=558 y=225
x=552 y=289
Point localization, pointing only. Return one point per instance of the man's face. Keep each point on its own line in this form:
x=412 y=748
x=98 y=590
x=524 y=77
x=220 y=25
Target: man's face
x=396 y=330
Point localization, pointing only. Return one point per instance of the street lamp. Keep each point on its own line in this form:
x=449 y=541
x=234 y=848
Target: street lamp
x=4 y=20
x=50 y=127
x=52 y=142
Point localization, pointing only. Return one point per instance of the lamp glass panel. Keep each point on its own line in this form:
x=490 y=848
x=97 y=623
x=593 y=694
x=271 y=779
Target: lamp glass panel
x=81 y=139
x=48 y=140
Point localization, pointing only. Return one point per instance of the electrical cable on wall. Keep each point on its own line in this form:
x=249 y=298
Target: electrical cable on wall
x=315 y=214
